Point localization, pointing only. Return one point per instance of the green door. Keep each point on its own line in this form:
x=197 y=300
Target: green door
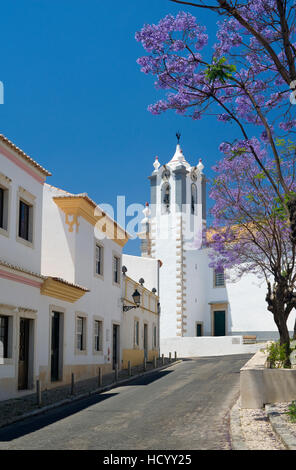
x=219 y=323
x=198 y=329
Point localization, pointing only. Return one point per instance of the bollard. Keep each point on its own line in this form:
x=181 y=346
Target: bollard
x=116 y=372
x=145 y=364
x=175 y=355
x=72 y=384
x=129 y=368
x=162 y=359
x=170 y=357
x=38 y=392
x=154 y=362
x=100 y=382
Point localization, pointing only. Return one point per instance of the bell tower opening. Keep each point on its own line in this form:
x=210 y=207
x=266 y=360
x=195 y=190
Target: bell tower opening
x=166 y=198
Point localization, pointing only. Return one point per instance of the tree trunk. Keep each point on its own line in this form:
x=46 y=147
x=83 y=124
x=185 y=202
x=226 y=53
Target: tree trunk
x=294 y=335
x=276 y=300
x=284 y=339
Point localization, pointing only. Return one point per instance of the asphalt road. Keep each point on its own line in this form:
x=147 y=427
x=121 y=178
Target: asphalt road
x=183 y=407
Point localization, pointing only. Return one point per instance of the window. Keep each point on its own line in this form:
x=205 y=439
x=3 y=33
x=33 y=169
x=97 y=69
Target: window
x=99 y=260
x=166 y=197
x=3 y=208
x=80 y=333
x=154 y=336
x=25 y=221
x=219 y=280
x=137 y=329
x=3 y=337
x=193 y=198
x=98 y=329
x=116 y=264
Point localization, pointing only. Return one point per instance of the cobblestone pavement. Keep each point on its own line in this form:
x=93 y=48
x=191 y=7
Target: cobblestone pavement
x=268 y=428
x=185 y=406
x=15 y=408
x=258 y=432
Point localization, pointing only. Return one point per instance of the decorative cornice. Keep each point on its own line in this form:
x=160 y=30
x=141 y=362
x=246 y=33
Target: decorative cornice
x=83 y=206
x=21 y=269
x=62 y=290
x=11 y=276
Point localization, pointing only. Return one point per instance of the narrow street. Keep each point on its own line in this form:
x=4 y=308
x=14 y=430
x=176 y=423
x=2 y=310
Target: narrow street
x=183 y=407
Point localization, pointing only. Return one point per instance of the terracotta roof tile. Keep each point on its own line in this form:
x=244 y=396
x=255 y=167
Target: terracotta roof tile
x=24 y=155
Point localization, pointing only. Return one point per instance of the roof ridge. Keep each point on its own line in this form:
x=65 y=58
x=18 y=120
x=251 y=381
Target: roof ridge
x=29 y=159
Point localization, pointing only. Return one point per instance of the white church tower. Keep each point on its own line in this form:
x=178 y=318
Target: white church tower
x=195 y=300
x=172 y=233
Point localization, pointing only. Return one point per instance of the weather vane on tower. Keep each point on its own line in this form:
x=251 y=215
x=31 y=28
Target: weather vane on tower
x=178 y=135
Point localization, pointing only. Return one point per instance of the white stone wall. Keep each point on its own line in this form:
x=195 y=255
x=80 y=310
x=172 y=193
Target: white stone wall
x=206 y=346
x=166 y=250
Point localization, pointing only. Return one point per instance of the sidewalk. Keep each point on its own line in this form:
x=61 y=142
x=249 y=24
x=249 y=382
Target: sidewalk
x=268 y=428
x=19 y=408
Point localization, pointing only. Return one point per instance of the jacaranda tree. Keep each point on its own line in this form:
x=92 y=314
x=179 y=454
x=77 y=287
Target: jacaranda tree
x=244 y=79
x=250 y=232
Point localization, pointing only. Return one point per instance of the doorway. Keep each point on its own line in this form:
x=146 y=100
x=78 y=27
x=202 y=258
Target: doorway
x=199 y=329
x=55 y=346
x=23 y=364
x=146 y=341
x=115 y=346
x=219 y=323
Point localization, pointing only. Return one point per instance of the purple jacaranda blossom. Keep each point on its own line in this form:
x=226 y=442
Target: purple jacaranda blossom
x=238 y=79
x=288 y=125
x=249 y=227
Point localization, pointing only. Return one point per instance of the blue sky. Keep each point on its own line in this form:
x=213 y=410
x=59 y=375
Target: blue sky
x=76 y=101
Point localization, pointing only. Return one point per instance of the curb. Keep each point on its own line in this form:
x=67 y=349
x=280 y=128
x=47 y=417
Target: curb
x=280 y=427
x=73 y=399
x=236 y=434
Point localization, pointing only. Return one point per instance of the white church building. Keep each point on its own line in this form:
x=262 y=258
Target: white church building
x=196 y=300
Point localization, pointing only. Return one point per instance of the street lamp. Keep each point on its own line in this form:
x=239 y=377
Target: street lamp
x=137 y=300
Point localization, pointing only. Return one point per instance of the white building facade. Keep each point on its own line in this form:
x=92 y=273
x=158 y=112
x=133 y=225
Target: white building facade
x=195 y=300
x=140 y=325
x=86 y=253
x=61 y=306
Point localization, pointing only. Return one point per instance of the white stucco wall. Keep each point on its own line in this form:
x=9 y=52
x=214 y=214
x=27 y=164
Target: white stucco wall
x=58 y=244
x=139 y=267
x=13 y=249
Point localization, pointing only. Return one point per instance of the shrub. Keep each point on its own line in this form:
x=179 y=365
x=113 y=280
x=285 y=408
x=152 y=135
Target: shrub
x=292 y=411
x=276 y=354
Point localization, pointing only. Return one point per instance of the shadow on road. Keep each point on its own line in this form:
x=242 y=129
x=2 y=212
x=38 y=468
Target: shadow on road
x=148 y=379
x=32 y=424
x=29 y=425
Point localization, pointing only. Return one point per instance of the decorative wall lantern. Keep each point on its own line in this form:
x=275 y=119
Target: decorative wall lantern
x=137 y=300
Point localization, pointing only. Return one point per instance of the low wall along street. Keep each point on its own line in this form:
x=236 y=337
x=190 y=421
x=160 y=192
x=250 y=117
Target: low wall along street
x=260 y=385
x=206 y=346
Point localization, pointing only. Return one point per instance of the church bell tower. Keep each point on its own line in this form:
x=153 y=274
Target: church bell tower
x=172 y=232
